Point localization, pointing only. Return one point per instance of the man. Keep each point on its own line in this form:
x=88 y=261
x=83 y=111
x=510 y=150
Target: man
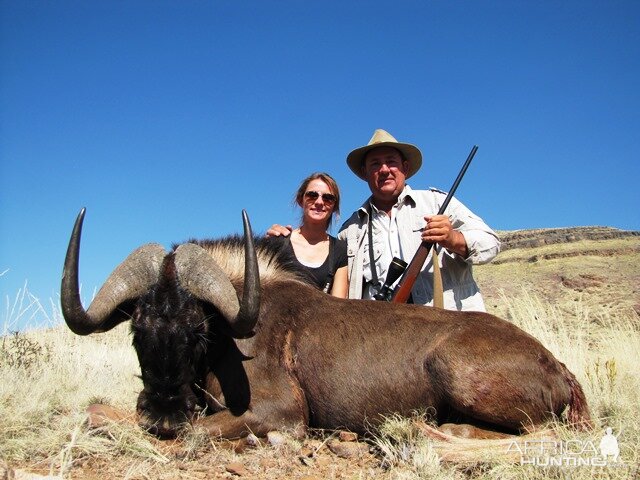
x=396 y=215
x=396 y=219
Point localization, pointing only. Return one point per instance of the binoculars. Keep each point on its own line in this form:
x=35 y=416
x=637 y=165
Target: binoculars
x=396 y=269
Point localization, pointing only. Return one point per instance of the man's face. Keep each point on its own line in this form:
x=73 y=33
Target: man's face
x=385 y=171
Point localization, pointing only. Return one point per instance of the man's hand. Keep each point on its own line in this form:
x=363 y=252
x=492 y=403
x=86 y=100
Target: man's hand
x=278 y=230
x=439 y=230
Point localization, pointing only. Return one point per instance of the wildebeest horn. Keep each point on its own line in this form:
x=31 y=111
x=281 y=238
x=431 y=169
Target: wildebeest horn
x=201 y=275
x=129 y=280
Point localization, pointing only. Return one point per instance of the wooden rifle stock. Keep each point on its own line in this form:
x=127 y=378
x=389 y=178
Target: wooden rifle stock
x=403 y=290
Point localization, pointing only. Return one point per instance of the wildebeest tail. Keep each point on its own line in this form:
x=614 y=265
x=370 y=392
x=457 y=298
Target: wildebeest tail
x=578 y=414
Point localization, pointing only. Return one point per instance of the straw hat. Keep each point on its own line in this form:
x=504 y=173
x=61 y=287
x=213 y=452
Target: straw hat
x=381 y=138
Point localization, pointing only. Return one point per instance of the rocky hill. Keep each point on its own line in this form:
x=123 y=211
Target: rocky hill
x=594 y=266
x=548 y=236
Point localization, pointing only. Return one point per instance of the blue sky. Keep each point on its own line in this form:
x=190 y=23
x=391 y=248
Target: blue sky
x=165 y=119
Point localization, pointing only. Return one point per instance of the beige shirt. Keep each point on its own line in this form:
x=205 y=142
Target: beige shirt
x=387 y=231
x=405 y=227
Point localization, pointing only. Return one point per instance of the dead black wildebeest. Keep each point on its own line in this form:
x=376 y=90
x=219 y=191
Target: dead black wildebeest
x=227 y=326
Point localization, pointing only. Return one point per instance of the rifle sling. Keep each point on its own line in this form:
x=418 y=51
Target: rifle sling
x=374 y=275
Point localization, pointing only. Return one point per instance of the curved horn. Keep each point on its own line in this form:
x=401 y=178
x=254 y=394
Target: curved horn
x=129 y=280
x=250 y=307
x=201 y=275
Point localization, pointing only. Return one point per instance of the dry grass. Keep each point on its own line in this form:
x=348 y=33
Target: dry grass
x=49 y=376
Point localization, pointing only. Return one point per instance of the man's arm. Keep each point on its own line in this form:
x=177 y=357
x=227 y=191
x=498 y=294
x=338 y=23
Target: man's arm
x=481 y=241
x=439 y=230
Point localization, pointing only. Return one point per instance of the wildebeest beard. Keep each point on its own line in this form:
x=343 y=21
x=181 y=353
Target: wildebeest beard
x=170 y=338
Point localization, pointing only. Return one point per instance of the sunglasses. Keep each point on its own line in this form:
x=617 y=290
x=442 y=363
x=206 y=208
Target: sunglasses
x=326 y=197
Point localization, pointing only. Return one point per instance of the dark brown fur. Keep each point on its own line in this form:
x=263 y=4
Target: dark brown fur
x=330 y=363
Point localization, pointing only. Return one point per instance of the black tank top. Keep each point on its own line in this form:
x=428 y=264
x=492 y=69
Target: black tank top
x=322 y=276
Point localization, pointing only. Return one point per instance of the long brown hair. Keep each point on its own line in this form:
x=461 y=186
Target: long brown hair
x=331 y=183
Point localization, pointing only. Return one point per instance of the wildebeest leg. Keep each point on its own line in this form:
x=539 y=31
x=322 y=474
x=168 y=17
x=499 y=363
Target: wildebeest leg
x=274 y=404
x=514 y=386
x=227 y=425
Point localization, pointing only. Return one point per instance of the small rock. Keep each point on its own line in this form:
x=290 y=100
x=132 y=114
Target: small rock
x=348 y=449
x=307 y=451
x=239 y=446
x=252 y=440
x=99 y=416
x=276 y=438
x=314 y=444
x=305 y=460
x=237 y=469
x=348 y=436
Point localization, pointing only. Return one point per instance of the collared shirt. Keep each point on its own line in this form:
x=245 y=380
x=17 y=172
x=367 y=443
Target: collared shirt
x=387 y=230
x=460 y=289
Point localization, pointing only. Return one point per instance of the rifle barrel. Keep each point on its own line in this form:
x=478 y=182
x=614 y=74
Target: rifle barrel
x=457 y=181
x=405 y=286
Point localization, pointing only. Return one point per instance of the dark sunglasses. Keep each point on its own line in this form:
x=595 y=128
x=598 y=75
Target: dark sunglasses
x=326 y=197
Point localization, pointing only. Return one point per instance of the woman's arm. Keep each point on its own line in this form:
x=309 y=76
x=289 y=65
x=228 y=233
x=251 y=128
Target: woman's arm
x=340 y=286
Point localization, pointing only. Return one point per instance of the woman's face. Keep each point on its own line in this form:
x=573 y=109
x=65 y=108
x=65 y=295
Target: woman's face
x=318 y=202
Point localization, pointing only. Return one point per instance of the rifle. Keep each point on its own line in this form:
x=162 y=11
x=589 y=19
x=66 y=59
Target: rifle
x=403 y=290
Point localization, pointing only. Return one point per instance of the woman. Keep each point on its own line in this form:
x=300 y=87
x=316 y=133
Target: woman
x=323 y=256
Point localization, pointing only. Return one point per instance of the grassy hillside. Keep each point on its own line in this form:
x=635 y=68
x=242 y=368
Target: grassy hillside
x=603 y=275
x=579 y=298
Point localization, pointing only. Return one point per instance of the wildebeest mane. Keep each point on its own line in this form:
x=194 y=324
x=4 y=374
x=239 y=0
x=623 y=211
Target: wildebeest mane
x=275 y=262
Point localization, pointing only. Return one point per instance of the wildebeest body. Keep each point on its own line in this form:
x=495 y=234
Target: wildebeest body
x=267 y=351
x=367 y=359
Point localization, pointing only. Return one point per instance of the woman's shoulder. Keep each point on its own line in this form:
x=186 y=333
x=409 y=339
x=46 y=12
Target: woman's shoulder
x=340 y=254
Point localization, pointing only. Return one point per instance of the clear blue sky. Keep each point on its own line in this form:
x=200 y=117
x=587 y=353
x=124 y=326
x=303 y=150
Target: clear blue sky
x=165 y=119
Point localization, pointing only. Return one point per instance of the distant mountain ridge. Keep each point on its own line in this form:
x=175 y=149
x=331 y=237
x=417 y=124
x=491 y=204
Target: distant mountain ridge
x=539 y=237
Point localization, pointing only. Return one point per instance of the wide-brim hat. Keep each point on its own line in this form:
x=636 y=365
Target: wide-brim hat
x=382 y=138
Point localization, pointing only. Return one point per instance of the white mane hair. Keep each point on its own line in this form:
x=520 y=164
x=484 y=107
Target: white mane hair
x=273 y=263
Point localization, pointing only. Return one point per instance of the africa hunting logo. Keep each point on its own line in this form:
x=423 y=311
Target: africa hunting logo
x=569 y=453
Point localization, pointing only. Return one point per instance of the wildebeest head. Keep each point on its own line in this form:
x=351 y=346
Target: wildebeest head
x=167 y=297
x=169 y=336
